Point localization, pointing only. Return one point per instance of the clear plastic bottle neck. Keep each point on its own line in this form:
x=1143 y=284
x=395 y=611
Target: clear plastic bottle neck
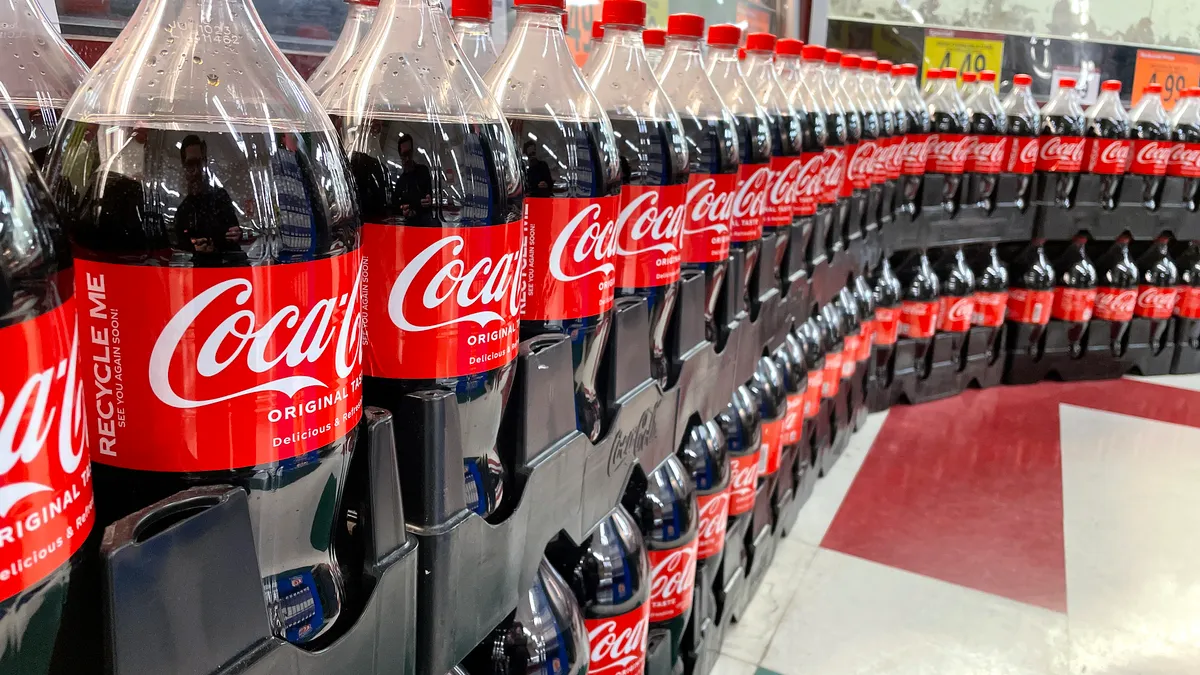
x=726 y=73
x=1108 y=106
x=685 y=81
x=759 y=69
x=623 y=79
x=1150 y=108
x=945 y=97
x=790 y=70
x=814 y=75
x=1065 y=102
x=622 y=50
x=1186 y=112
x=986 y=100
x=475 y=38
x=359 y=18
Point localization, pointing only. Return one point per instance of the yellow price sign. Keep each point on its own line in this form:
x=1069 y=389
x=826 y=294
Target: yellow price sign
x=967 y=51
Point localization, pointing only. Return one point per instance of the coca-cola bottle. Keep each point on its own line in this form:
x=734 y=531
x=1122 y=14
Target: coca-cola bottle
x=425 y=222
x=809 y=184
x=217 y=239
x=829 y=200
x=38 y=75
x=861 y=134
x=871 y=148
x=705 y=456
x=956 y=297
x=571 y=206
x=49 y=579
x=1183 y=164
x=1030 y=298
x=609 y=574
x=868 y=82
x=832 y=325
x=1151 y=133
x=932 y=76
x=852 y=333
x=991 y=290
x=915 y=127
x=921 y=294
x=1106 y=153
x=1157 y=290
x=1187 y=306
x=812 y=346
x=655 y=40
x=865 y=298
x=787 y=137
x=597 y=40
x=360 y=14
x=472 y=21
x=1074 y=293
x=949 y=142
x=887 y=92
x=546 y=635
x=967 y=88
x=987 y=125
x=1022 y=122
x=663 y=505
x=767 y=384
x=753 y=131
x=789 y=358
x=654 y=171
x=1117 y=291
x=713 y=158
x=889 y=302
x=1061 y=144
x=741 y=424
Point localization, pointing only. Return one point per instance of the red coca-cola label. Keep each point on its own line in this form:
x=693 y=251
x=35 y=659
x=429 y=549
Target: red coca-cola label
x=868 y=339
x=833 y=173
x=46 y=507
x=1061 y=154
x=883 y=159
x=916 y=154
x=955 y=313
x=861 y=169
x=440 y=302
x=781 y=193
x=948 y=153
x=1115 y=304
x=793 y=420
x=1155 y=302
x=812 y=395
x=1022 y=154
x=1150 y=158
x=918 y=319
x=853 y=345
x=848 y=179
x=618 y=643
x=672 y=577
x=895 y=158
x=1026 y=306
x=569 y=249
x=832 y=380
x=1073 y=304
x=1187 y=303
x=770 y=452
x=807 y=190
x=1106 y=156
x=714 y=512
x=706 y=231
x=220 y=368
x=1184 y=161
x=887 y=325
x=987 y=156
x=750 y=201
x=743 y=477
x=649 y=235
x=989 y=309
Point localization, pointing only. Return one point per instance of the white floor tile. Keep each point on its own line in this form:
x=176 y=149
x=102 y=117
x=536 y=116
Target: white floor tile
x=1131 y=514
x=728 y=665
x=857 y=617
x=1181 y=381
x=818 y=513
x=748 y=639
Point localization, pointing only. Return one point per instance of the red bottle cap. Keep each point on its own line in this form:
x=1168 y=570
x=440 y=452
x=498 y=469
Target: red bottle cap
x=724 y=35
x=1109 y=85
x=1066 y=83
x=949 y=73
x=624 y=12
x=549 y=4
x=685 y=25
x=597 y=30
x=1154 y=88
x=741 y=53
x=987 y=76
x=565 y=20
x=813 y=53
x=968 y=78
x=789 y=47
x=369 y=3
x=654 y=37
x=869 y=63
x=850 y=60
x=471 y=9
x=884 y=66
x=833 y=56
x=760 y=42
x=910 y=69
x=1022 y=80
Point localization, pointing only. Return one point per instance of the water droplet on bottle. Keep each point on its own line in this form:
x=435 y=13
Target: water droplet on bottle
x=170 y=40
x=151 y=83
x=151 y=61
x=213 y=79
x=162 y=53
x=35 y=53
x=21 y=66
x=158 y=72
x=395 y=73
x=41 y=42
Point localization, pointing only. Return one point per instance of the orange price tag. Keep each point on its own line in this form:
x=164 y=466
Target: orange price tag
x=1175 y=72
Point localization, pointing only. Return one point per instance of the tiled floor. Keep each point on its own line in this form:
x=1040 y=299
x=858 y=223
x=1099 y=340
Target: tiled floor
x=1052 y=529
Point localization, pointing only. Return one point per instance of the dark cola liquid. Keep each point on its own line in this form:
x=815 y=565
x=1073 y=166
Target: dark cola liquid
x=566 y=158
x=1185 y=190
x=872 y=128
x=985 y=124
x=214 y=199
x=754 y=142
x=415 y=173
x=915 y=123
x=1059 y=187
x=1019 y=125
x=948 y=123
x=36 y=126
x=814 y=136
x=787 y=140
x=652 y=154
x=51 y=626
x=836 y=136
x=710 y=150
x=1108 y=186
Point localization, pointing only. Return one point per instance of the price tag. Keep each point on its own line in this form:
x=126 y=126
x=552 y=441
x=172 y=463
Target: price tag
x=967 y=51
x=1175 y=72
